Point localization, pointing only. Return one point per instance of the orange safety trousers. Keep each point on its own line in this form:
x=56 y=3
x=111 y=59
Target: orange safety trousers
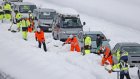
x=76 y=47
x=74 y=44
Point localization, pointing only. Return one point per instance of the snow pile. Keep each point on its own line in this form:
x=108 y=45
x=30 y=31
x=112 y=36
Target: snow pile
x=27 y=61
x=116 y=11
x=68 y=11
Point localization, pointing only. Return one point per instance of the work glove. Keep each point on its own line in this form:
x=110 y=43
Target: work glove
x=98 y=52
x=63 y=44
x=110 y=71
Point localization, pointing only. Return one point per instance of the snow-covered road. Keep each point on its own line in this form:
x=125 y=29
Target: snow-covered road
x=23 y=60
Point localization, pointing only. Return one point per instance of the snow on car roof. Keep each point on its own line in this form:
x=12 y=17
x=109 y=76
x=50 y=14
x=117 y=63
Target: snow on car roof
x=45 y=10
x=93 y=32
x=68 y=11
x=23 y=3
x=128 y=44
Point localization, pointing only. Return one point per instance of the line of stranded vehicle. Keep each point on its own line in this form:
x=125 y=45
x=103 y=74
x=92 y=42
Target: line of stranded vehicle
x=66 y=22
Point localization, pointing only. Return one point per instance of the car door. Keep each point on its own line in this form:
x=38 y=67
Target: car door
x=114 y=53
x=116 y=47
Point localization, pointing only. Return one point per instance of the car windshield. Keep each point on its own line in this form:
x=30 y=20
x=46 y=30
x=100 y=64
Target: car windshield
x=94 y=37
x=132 y=49
x=71 y=22
x=13 y=0
x=26 y=8
x=47 y=15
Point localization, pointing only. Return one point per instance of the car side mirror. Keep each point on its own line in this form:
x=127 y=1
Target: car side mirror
x=84 y=23
x=35 y=18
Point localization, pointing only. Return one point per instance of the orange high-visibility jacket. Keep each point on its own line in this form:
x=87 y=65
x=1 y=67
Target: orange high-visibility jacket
x=74 y=44
x=68 y=41
x=107 y=56
x=40 y=36
x=107 y=52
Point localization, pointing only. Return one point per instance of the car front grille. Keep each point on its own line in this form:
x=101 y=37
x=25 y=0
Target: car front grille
x=135 y=61
x=135 y=56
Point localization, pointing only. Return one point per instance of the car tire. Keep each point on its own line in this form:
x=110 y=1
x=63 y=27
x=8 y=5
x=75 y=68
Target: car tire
x=138 y=74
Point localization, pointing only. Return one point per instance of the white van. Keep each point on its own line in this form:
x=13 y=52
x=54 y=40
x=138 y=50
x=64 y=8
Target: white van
x=45 y=17
x=66 y=22
x=23 y=8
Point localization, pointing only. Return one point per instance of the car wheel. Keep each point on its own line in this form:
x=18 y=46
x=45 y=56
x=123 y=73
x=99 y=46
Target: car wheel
x=138 y=74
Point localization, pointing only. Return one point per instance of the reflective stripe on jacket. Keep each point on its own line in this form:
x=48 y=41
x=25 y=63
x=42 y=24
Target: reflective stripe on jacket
x=122 y=66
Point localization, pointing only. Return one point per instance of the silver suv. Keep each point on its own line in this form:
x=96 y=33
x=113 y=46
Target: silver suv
x=133 y=50
x=93 y=35
x=45 y=17
x=65 y=25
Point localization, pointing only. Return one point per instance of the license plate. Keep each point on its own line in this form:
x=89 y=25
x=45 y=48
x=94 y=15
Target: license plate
x=50 y=29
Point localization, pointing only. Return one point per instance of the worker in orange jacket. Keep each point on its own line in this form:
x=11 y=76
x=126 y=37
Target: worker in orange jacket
x=107 y=56
x=74 y=43
x=39 y=36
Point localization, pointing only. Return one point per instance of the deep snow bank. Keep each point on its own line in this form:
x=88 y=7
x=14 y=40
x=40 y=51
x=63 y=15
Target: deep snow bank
x=122 y=12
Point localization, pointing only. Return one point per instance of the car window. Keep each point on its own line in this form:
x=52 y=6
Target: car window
x=47 y=15
x=71 y=22
x=94 y=37
x=131 y=49
x=116 y=47
x=26 y=8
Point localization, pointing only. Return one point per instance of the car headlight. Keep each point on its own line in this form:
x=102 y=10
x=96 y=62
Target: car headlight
x=63 y=32
x=81 y=31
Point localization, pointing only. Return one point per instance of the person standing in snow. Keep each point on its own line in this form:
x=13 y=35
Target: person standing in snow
x=72 y=39
x=1 y=14
x=39 y=36
x=18 y=19
x=25 y=23
x=123 y=66
x=30 y=15
x=98 y=43
x=7 y=9
x=87 y=44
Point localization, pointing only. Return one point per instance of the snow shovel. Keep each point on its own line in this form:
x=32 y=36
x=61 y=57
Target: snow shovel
x=10 y=27
x=14 y=31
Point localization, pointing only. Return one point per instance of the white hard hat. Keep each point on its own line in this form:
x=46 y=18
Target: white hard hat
x=71 y=36
x=38 y=29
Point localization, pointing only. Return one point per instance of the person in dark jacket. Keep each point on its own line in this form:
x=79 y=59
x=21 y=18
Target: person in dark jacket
x=98 y=42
